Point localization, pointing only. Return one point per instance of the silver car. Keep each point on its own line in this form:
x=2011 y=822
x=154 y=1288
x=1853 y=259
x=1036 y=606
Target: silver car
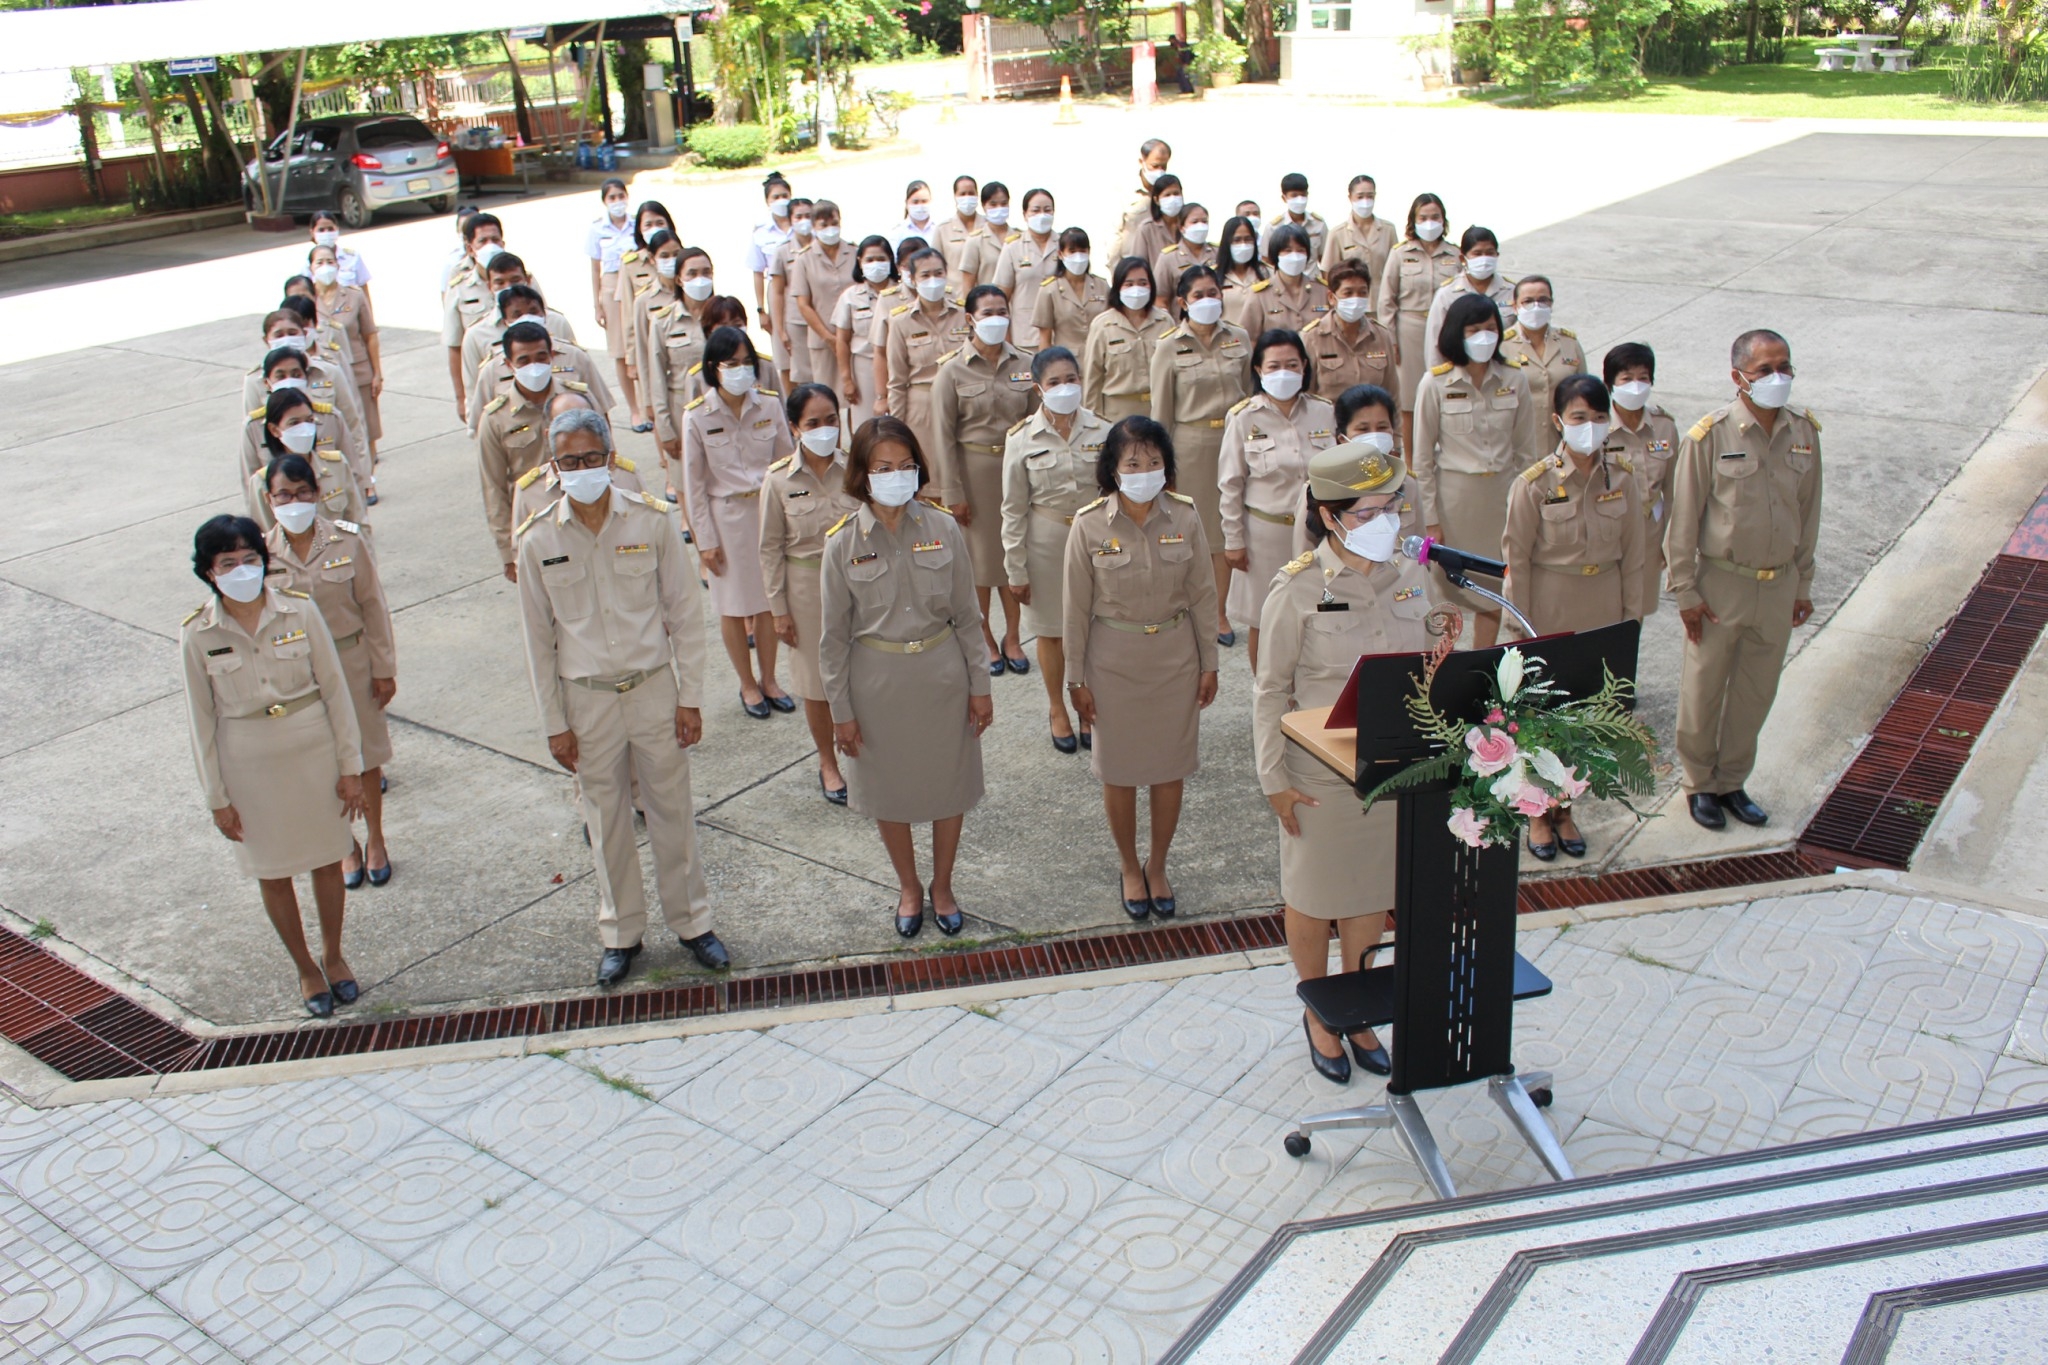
x=355 y=164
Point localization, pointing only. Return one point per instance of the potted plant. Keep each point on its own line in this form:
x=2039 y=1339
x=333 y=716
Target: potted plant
x=1218 y=59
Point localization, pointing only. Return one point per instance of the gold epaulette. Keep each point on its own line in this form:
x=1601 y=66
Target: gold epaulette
x=1535 y=471
x=1295 y=566
x=632 y=255
x=1276 y=220
x=646 y=288
x=697 y=368
x=1092 y=506
x=531 y=518
x=839 y=524
x=935 y=505
x=782 y=463
x=1626 y=464
x=625 y=464
x=1811 y=418
x=255 y=413
x=1315 y=323
x=1015 y=236
x=1444 y=368
x=899 y=308
x=658 y=504
x=1048 y=282
x=500 y=401
x=1702 y=427
x=1018 y=425
x=294 y=592
x=485 y=363
x=527 y=479
x=1240 y=405
x=575 y=386
x=319 y=406
x=1180 y=497
x=1514 y=360
x=1264 y=284
x=351 y=527
x=1171 y=333
x=1568 y=332
x=948 y=355
x=769 y=393
x=1507 y=336
x=694 y=402
x=191 y=616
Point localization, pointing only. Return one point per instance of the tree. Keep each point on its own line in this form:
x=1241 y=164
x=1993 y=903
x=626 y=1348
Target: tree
x=1096 y=23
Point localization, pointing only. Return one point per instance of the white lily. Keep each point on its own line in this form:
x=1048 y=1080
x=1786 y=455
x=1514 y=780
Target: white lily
x=1510 y=783
x=1510 y=675
x=1551 y=768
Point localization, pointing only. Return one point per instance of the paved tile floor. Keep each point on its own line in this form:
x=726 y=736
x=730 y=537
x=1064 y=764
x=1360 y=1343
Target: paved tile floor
x=1063 y=1177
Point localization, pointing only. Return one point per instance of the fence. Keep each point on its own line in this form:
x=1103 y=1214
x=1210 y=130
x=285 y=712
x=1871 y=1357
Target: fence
x=1022 y=62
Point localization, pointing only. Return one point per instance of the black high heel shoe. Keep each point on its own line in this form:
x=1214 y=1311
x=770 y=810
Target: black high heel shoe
x=908 y=925
x=759 y=710
x=1337 y=1068
x=1373 y=1059
x=1066 y=744
x=1574 y=847
x=1544 y=852
x=345 y=992
x=1162 y=906
x=1136 y=909
x=784 y=703
x=949 y=925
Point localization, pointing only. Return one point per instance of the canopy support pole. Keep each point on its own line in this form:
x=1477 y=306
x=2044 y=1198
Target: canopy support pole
x=291 y=131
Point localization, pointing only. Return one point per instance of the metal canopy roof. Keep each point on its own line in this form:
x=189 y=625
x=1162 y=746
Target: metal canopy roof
x=104 y=35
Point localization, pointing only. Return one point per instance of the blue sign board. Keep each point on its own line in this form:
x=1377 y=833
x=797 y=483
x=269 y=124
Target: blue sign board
x=192 y=66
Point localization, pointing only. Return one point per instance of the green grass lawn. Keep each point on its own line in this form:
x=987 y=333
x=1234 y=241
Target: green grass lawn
x=1794 y=89
x=39 y=221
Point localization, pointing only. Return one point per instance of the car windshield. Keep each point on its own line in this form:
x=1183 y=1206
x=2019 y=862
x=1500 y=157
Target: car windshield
x=393 y=132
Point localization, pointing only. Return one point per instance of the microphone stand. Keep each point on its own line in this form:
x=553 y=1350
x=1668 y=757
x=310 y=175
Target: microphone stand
x=1459 y=579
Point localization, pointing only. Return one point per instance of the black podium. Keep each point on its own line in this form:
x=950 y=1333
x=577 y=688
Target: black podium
x=1449 y=994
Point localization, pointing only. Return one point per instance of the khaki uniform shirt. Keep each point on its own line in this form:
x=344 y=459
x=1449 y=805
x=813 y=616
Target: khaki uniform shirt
x=727 y=449
x=340 y=574
x=1269 y=304
x=985 y=254
x=1147 y=238
x=671 y=347
x=1061 y=317
x=348 y=309
x=1318 y=233
x=975 y=402
x=467 y=301
x=1414 y=271
x=885 y=303
x=481 y=340
x=331 y=342
x=340 y=494
x=1021 y=267
x=1174 y=261
x=324 y=384
x=1561 y=520
x=1046 y=474
x=608 y=605
x=1371 y=357
x=853 y=316
x=1306 y=653
x=917 y=342
x=959 y=242
x=1745 y=495
x=1137 y=211
x=571 y=362
x=1500 y=289
x=511 y=438
x=231 y=675
x=821 y=278
x=636 y=276
x=1196 y=383
x=1371 y=242
x=1144 y=575
x=539 y=486
x=902 y=587
x=1264 y=460
x=1651 y=449
x=1117 y=362
x=795 y=331
x=1562 y=358
x=797 y=510
x=1466 y=428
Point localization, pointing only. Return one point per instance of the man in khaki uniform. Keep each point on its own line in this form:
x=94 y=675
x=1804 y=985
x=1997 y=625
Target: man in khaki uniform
x=1745 y=516
x=537 y=489
x=509 y=437
x=1295 y=210
x=468 y=299
x=1363 y=235
x=514 y=301
x=493 y=376
x=1348 y=346
x=1154 y=156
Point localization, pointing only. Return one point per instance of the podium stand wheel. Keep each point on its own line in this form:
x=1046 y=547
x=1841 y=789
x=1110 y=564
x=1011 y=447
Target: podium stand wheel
x=1297 y=1143
x=1540 y=1097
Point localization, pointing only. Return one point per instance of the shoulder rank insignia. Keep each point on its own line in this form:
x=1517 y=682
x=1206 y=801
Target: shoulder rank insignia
x=837 y=525
x=696 y=402
x=1702 y=427
x=1179 y=497
x=531 y=518
x=1240 y=405
x=1013 y=237
x=1091 y=506
x=1444 y=368
x=769 y=393
x=935 y=505
x=697 y=368
x=1535 y=471
x=1019 y=424
x=632 y=255
x=1263 y=285
x=319 y=406
x=899 y=308
x=1568 y=332
x=1295 y=566
x=255 y=413
x=348 y=526
x=527 y=479
x=625 y=464
x=294 y=592
x=949 y=355
x=191 y=616
x=1626 y=464
x=575 y=386
x=782 y=463
x=1811 y=418
x=1171 y=333
x=500 y=401
x=1515 y=361
x=1509 y=335
x=650 y=500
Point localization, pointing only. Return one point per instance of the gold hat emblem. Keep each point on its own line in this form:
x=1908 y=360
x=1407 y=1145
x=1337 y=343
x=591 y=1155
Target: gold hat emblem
x=1373 y=471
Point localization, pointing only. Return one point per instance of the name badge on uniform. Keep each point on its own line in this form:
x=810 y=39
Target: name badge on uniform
x=1403 y=594
x=764 y=422
x=338 y=563
x=1611 y=495
x=1330 y=603
x=796 y=493
x=1109 y=547
x=1559 y=496
x=1314 y=434
x=714 y=431
x=1091 y=445
x=290 y=637
x=550 y=563
x=640 y=549
x=870 y=557
x=1173 y=540
x=1734 y=454
x=919 y=336
x=918 y=547
x=523 y=426
x=216 y=653
x=1504 y=391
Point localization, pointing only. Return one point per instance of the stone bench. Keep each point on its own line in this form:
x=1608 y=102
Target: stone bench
x=1834 y=58
x=1896 y=59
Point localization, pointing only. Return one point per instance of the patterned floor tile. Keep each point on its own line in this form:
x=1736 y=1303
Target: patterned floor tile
x=666 y=1063
x=776 y=1338
x=119 y=1150
x=23 y=1130
x=649 y=1305
x=543 y=1120
x=1596 y=1148
x=1195 y=1043
x=1680 y=940
x=1264 y=991
x=1373 y=1175
x=155 y=1230
x=1942 y=1000
x=423 y=1189
x=448 y=1090
x=883 y=1143
x=764 y=1094
x=870 y=1043
x=142 y=1330
x=1482 y=1147
x=325 y=1140
x=983 y=1069
x=1713 y=1024
x=1040 y=1323
x=1011 y=1197
x=651 y=1168
x=220 y=1115
x=766 y=1224
x=398 y=1320
x=1586 y=1029
x=1230 y=1160
x=1284 y=1085
x=51 y=1286
x=903 y=1295
x=514 y=1259
x=285 y=1274
x=1149 y=1253
x=1813 y=1116
x=1976 y=941
x=1806 y=946
x=1706 y=1107
x=1899 y=1075
x=2013 y=1083
x=1109 y=1114
x=1081 y=1018
x=2029 y=1038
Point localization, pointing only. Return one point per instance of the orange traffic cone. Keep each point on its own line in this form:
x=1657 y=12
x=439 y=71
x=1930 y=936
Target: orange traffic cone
x=1066 y=113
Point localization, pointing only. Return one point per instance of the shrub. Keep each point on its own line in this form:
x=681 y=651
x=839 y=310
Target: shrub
x=742 y=144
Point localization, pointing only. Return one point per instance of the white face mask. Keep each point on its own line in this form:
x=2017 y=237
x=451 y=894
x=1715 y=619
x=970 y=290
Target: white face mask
x=1585 y=437
x=699 y=288
x=1429 y=229
x=1352 y=309
x=1297 y=204
x=1634 y=395
x=1076 y=264
x=1143 y=487
x=820 y=441
x=1148 y=175
x=1771 y=391
x=1479 y=346
x=1281 y=384
x=1292 y=263
x=584 y=485
x=1534 y=317
x=801 y=227
x=991 y=331
x=1196 y=234
x=298 y=384
x=966 y=205
x=326 y=237
x=829 y=234
x=1172 y=204
x=616 y=210
x=1208 y=312
x=932 y=288
x=533 y=378
x=665 y=266
x=999 y=216
x=1361 y=209
x=1061 y=398
x=779 y=207
x=1242 y=252
x=893 y=488
x=1374 y=540
x=243 y=583
x=1134 y=297
x=1039 y=223
x=874 y=272
x=919 y=213
x=487 y=253
x=1382 y=441
x=298 y=437
x=295 y=516
x=737 y=380
x=297 y=343
x=1481 y=267
x=324 y=275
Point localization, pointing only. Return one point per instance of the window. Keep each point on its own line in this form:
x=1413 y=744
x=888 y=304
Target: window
x=394 y=132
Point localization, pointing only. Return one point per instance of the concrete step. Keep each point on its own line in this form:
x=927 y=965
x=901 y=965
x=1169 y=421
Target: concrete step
x=1398 y=1284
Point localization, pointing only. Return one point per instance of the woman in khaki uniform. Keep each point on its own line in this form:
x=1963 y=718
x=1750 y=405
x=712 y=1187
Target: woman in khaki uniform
x=731 y=434
x=904 y=666
x=348 y=308
x=1026 y=263
x=959 y=235
x=326 y=341
x=1070 y=299
x=982 y=391
x=853 y=319
x=636 y=276
x=1422 y=264
x=325 y=381
x=1368 y=415
x=668 y=331
x=1289 y=299
x=1200 y=370
x=1474 y=425
x=1574 y=547
x=802 y=497
x=1351 y=595
x=1141 y=663
x=1161 y=226
x=287 y=367
x=330 y=562
x=1548 y=354
x=279 y=756
x=1646 y=436
x=1049 y=463
x=818 y=275
x=1361 y=236
x=1268 y=440
x=985 y=249
x=289 y=423
x=1237 y=260
x=1479 y=274
x=1349 y=347
x=1194 y=248
x=920 y=331
x=1116 y=366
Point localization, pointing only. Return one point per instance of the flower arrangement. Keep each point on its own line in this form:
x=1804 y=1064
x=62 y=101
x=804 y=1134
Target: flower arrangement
x=1532 y=752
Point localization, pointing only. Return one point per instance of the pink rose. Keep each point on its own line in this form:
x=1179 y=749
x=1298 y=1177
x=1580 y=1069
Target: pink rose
x=1514 y=729
x=1493 y=717
x=1468 y=826
x=1492 y=751
x=1531 y=801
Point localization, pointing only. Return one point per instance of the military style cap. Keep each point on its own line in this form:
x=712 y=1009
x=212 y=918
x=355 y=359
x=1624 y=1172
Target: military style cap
x=1352 y=469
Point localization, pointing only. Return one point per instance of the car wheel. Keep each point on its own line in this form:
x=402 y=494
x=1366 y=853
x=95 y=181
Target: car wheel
x=441 y=203
x=350 y=208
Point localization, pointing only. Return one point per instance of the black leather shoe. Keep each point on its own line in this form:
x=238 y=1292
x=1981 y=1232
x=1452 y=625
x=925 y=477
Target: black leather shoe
x=345 y=992
x=1162 y=906
x=949 y=925
x=995 y=667
x=708 y=951
x=1544 y=852
x=383 y=783
x=784 y=703
x=379 y=876
x=759 y=710
x=836 y=795
x=1088 y=740
x=1373 y=1059
x=1742 y=808
x=354 y=880
x=1018 y=666
x=1066 y=744
x=1140 y=908
x=1337 y=1068
x=1573 y=848
x=321 y=1006
x=1226 y=638
x=616 y=962
x=908 y=925
x=1706 y=810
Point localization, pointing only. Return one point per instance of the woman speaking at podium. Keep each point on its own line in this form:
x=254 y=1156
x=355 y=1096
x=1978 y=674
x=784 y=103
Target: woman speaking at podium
x=1346 y=597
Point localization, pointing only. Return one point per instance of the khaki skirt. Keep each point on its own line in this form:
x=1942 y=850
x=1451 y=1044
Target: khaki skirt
x=920 y=759
x=807 y=609
x=1195 y=451
x=1410 y=328
x=825 y=370
x=1146 y=718
x=618 y=339
x=1475 y=513
x=1341 y=865
x=373 y=420
x=280 y=775
x=1045 y=558
x=983 y=475
x=1270 y=546
x=370 y=718
x=740 y=590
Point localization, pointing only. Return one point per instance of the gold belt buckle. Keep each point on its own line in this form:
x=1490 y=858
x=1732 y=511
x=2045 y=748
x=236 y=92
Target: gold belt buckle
x=914 y=647
x=1766 y=575
x=1589 y=569
x=275 y=709
x=1152 y=630
x=623 y=685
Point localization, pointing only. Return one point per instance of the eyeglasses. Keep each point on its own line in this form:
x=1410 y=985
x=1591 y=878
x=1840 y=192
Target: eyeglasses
x=1360 y=515
x=570 y=463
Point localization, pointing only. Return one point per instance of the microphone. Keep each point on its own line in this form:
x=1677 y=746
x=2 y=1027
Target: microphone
x=1425 y=550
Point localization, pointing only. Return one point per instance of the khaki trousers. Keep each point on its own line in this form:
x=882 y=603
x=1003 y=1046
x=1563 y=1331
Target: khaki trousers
x=1731 y=677
x=620 y=736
